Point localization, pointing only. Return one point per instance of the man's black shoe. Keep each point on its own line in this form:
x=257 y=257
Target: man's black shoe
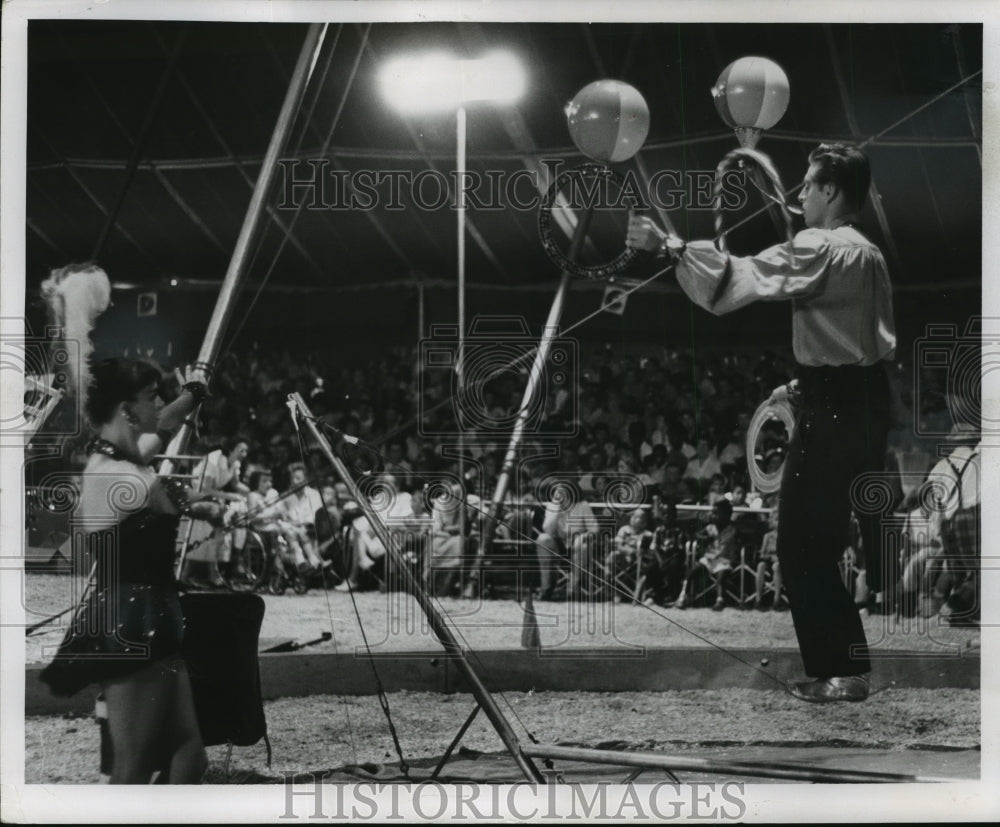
x=831 y=690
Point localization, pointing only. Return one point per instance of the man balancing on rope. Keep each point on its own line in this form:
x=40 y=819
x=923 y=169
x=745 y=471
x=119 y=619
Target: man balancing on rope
x=842 y=332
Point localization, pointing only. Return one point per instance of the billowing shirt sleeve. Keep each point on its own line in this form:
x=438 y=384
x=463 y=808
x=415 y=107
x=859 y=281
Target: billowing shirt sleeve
x=785 y=271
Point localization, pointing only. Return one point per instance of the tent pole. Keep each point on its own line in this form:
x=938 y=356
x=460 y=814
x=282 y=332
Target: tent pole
x=140 y=144
x=251 y=222
x=534 y=381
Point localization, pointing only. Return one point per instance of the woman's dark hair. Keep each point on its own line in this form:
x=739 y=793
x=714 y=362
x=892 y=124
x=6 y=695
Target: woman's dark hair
x=228 y=443
x=113 y=381
x=846 y=167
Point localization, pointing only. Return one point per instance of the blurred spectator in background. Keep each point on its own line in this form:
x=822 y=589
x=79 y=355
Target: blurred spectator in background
x=328 y=522
x=397 y=464
x=365 y=550
x=666 y=574
x=704 y=464
x=569 y=532
x=300 y=507
x=447 y=553
x=719 y=554
x=632 y=547
x=267 y=518
x=211 y=548
x=733 y=454
x=953 y=491
x=716 y=490
x=767 y=561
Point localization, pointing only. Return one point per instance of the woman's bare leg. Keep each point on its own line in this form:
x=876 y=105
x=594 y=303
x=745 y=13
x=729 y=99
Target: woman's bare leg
x=188 y=760
x=138 y=707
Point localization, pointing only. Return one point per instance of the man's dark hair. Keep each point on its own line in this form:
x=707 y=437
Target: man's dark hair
x=846 y=167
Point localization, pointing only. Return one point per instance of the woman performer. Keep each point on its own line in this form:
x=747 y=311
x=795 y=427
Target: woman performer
x=126 y=636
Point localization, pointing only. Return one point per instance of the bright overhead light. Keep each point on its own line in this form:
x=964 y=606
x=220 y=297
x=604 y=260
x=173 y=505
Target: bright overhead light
x=434 y=82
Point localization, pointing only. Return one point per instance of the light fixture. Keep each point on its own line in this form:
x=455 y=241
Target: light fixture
x=436 y=81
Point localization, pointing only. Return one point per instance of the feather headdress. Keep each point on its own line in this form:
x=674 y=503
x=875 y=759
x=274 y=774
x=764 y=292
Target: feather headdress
x=76 y=295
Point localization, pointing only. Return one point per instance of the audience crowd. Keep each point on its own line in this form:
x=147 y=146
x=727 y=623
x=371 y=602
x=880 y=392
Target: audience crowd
x=632 y=482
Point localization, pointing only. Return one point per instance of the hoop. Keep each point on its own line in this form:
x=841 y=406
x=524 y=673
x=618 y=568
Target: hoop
x=747 y=159
x=600 y=271
x=767 y=412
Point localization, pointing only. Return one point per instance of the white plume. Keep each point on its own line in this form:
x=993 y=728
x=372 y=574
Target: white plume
x=76 y=295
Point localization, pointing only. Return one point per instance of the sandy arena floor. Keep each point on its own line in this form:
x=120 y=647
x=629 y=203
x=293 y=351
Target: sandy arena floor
x=322 y=732
x=394 y=623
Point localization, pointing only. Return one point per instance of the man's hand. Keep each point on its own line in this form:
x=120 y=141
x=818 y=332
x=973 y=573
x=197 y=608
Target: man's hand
x=785 y=393
x=643 y=234
x=779 y=394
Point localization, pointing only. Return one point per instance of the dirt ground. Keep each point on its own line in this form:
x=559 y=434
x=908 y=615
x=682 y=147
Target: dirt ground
x=322 y=732
x=395 y=623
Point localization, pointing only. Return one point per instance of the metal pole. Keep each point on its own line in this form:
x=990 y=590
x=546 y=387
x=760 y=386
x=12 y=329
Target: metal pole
x=437 y=622
x=140 y=145
x=852 y=122
x=534 y=380
x=763 y=770
x=251 y=223
x=460 y=366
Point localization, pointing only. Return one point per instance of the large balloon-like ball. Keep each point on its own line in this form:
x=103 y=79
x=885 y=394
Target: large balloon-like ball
x=751 y=92
x=608 y=120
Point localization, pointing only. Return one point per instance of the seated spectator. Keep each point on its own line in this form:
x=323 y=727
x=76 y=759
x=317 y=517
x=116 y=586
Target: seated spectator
x=447 y=542
x=921 y=562
x=517 y=531
x=365 y=550
x=666 y=572
x=569 y=530
x=300 y=505
x=267 y=518
x=328 y=530
x=733 y=455
x=398 y=465
x=953 y=490
x=719 y=554
x=767 y=560
x=596 y=465
x=716 y=490
x=632 y=548
x=703 y=465
x=678 y=450
x=216 y=548
x=655 y=466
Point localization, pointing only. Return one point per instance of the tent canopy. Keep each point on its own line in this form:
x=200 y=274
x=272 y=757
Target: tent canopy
x=208 y=95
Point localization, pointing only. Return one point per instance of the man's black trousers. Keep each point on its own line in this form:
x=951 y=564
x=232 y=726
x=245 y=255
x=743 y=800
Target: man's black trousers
x=842 y=422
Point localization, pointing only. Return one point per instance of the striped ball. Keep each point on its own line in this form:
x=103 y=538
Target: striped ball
x=608 y=120
x=751 y=92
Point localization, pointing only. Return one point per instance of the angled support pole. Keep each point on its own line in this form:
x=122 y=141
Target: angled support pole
x=436 y=620
x=455 y=741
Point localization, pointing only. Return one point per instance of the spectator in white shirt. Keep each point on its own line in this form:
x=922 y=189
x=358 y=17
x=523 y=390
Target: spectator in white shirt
x=704 y=464
x=300 y=507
